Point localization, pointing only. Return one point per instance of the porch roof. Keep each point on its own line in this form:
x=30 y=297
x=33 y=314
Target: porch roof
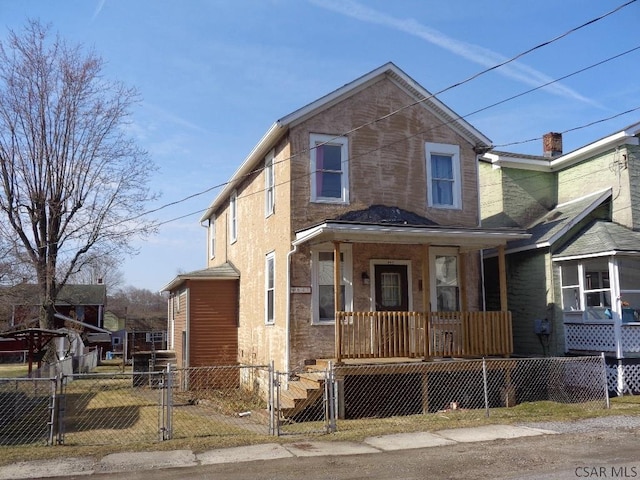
x=559 y=221
x=361 y=232
x=226 y=271
x=601 y=238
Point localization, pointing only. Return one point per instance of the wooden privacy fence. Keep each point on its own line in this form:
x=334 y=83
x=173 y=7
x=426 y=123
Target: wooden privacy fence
x=423 y=334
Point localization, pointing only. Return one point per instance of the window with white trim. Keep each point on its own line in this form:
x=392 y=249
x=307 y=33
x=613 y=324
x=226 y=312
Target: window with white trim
x=269 y=185
x=270 y=289
x=329 y=169
x=212 y=236
x=323 y=298
x=586 y=287
x=444 y=189
x=233 y=221
x=447 y=288
x=155 y=337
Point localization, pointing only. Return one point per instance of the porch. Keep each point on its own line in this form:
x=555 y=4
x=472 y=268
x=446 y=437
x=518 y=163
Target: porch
x=602 y=337
x=422 y=335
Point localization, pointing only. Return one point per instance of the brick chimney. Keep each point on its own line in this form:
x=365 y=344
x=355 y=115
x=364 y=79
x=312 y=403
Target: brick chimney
x=552 y=144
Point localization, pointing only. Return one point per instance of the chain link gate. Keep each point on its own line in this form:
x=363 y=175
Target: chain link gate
x=27 y=411
x=304 y=402
x=110 y=408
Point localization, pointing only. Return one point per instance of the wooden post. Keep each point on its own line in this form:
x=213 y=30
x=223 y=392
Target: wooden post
x=337 y=281
x=426 y=295
x=502 y=266
x=425 y=392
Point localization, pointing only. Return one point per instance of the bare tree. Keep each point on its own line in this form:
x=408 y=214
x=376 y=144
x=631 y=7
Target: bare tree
x=105 y=269
x=73 y=183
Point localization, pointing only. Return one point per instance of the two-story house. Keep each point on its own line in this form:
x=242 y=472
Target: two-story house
x=574 y=285
x=380 y=175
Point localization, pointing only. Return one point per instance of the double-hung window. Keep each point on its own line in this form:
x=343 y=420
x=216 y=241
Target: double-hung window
x=233 y=221
x=443 y=175
x=212 y=236
x=269 y=185
x=269 y=287
x=329 y=169
x=323 y=283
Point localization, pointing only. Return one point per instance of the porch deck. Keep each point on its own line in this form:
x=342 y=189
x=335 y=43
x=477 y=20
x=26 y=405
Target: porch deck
x=422 y=335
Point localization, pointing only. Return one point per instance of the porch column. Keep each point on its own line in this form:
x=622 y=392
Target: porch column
x=426 y=295
x=502 y=267
x=337 y=281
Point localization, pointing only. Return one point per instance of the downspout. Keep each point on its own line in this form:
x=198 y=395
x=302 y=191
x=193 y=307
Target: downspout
x=187 y=314
x=484 y=292
x=287 y=325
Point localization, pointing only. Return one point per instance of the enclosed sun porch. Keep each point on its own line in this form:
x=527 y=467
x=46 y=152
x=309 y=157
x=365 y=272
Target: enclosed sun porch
x=406 y=291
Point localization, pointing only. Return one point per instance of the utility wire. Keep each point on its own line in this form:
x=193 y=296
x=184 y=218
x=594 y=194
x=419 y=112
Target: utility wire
x=395 y=112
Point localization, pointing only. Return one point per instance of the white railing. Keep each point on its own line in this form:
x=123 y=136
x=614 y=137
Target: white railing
x=601 y=337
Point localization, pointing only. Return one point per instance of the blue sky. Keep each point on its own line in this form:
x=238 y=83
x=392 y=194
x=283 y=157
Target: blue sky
x=214 y=75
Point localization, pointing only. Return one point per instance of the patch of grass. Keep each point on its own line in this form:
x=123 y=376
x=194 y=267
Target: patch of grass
x=208 y=428
x=13 y=370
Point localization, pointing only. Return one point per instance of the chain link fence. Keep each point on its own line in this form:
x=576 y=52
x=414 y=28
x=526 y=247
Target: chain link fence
x=26 y=410
x=219 y=401
x=253 y=402
x=391 y=390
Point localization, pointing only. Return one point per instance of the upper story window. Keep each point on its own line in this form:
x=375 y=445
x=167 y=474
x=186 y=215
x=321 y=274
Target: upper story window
x=212 y=237
x=329 y=169
x=443 y=175
x=270 y=287
x=233 y=221
x=269 y=185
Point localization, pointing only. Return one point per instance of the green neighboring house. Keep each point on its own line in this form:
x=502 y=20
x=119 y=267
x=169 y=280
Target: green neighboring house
x=574 y=285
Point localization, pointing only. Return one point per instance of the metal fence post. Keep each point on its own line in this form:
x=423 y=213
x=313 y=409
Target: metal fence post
x=60 y=404
x=53 y=406
x=605 y=381
x=485 y=382
x=169 y=395
x=277 y=385
x=329 y=398
x=161 y=413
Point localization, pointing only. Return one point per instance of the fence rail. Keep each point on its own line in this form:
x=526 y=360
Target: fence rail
x=255 y=402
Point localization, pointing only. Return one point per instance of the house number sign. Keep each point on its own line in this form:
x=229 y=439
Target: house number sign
x=300 y=289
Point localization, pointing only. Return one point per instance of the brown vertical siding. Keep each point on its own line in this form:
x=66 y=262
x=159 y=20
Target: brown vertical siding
x=213 y=322
x=180 y=325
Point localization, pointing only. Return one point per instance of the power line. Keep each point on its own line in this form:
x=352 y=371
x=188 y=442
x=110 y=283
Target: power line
x=386 y=116
x=395 y=112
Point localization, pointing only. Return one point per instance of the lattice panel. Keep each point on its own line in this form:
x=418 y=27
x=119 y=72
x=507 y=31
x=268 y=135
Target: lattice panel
x=612 y=378
x=631 y=338
x=630 y=380
x=585 y=337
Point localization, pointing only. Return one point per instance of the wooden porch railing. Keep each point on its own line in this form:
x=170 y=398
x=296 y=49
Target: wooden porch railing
x=423 y=335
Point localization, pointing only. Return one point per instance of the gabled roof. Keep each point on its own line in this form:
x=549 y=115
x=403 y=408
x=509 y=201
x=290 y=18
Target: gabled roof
x=82 y=295
x=382 y=224
x=552 y=226
x=28 y=294
x=389 y=70
x=601 y=237
x=226 y=271
x=626 y=136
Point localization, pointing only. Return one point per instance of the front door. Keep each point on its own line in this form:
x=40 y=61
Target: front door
x=391 y=288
